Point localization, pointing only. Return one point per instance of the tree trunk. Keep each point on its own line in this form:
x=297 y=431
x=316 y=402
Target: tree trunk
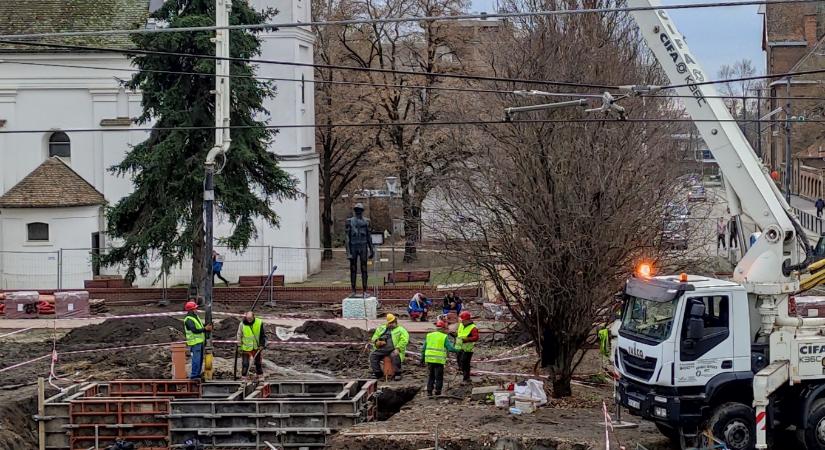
x=557 y=354
x=409 y=215
x=326 y=225
x=198 y=272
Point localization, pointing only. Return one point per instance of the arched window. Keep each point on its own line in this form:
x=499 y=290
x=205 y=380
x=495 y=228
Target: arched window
x=59 y=145
x=38 y=231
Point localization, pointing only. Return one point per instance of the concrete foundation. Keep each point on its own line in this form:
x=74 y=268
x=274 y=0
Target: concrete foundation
x=165 y=414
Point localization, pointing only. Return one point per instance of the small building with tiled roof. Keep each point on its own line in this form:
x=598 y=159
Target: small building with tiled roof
x=71 y=104
x=51 y=210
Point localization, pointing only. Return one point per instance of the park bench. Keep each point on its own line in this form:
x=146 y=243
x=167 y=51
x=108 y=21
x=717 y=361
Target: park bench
x=421 y=276
x=105 y=283
x=259 y=280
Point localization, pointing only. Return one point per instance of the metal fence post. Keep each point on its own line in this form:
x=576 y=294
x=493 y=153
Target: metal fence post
x=272 y=281
x=60 y=268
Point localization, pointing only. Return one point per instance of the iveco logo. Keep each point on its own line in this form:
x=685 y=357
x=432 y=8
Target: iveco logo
x=635 y=351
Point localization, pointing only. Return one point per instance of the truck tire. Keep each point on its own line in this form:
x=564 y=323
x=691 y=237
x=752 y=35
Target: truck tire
x=733 y=423
x=814 y=433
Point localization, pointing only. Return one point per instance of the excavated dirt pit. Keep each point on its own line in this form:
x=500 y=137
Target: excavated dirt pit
x=390 y=400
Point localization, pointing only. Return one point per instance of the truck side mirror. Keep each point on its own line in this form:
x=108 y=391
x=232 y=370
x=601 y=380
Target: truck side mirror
x=696 y=328
x=696 y=322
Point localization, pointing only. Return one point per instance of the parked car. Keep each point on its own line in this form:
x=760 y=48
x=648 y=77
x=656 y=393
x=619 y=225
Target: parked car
x=676 y=211
x=697 y=194
x=674 y=235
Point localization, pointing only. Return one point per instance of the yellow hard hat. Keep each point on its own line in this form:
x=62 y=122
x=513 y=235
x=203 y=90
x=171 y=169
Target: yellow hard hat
x=390 y=318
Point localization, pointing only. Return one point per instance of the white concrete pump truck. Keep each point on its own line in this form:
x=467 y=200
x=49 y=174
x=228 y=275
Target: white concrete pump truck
x=698 y=354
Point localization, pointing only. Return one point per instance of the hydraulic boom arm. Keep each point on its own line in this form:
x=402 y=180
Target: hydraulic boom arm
x=760 y=270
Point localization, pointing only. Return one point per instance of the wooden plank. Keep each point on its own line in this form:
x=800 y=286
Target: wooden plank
x=41 y=411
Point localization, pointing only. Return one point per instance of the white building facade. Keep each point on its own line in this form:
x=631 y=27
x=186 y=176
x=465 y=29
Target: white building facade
x=40 y=106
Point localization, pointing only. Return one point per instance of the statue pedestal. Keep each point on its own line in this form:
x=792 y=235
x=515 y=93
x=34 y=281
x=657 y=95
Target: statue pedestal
x=359 y=308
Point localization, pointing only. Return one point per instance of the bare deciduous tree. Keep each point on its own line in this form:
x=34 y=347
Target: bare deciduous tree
x=556 y=215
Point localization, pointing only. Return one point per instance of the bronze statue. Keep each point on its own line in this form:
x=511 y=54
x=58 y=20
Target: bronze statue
x=358 y=243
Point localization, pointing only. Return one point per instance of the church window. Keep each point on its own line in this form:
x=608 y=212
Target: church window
x=38 y=231
x=60 y=145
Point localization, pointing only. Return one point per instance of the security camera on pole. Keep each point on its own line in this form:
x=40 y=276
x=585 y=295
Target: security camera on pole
x=222 y=140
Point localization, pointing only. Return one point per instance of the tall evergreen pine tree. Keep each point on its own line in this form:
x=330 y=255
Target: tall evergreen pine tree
x=163 y=216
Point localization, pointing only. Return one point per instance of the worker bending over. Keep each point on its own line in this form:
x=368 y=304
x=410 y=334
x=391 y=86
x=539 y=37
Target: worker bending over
x=390 y=340
x=194 y=330
x=436 y=346
x=465 y=341
x=251 y=340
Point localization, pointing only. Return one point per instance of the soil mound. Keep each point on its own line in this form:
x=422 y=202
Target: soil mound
x=226 y=329
x=141 y=330
x=318 y=330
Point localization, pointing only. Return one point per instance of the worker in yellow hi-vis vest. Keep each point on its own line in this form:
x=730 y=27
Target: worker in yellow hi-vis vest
x=465 y=341
x=251 y=342
x=436 y=346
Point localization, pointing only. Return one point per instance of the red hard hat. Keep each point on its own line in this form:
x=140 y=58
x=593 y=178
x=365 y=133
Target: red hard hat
x=465 y=315
x=440 y=324
x=190 y=306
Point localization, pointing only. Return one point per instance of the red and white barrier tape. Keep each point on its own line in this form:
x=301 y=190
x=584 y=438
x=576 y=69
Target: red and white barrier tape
x=15 y=332
x=508 y=374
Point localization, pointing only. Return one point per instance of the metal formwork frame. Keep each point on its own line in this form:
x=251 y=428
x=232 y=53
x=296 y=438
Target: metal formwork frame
x=163 y=414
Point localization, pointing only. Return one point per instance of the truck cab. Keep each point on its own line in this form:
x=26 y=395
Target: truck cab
x=684 y=347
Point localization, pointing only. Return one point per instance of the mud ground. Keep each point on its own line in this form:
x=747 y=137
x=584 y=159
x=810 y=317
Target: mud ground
x=462 y=423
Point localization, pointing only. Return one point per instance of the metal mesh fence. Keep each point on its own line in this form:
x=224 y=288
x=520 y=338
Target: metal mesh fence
x=69 y=268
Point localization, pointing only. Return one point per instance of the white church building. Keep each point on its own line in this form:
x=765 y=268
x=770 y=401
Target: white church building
x=62 y=125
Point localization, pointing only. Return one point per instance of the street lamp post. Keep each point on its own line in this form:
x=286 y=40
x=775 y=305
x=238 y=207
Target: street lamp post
x=392 y=184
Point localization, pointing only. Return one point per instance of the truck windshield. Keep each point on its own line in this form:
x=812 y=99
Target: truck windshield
x=648 y=319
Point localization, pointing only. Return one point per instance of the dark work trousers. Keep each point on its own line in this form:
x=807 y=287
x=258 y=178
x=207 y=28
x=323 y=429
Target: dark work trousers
x=464 y=359
x=435 y=378
x=358 y=253
x=733 y=240
x=377 y=360
x=720 y=241
x=259 y=367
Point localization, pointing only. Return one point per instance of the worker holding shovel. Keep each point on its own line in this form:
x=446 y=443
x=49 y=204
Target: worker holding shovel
x=251 y=341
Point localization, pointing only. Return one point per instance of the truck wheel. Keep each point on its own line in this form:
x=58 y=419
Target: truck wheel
x=814 y=433
x=733 y=423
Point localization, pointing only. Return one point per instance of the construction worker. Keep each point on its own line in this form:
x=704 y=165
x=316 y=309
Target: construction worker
x=390 y=340
x=194 y=330
x=436 y=346
x=465 y=341
x=251 y=342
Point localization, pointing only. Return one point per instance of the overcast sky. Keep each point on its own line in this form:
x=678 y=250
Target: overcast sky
x=716 y=36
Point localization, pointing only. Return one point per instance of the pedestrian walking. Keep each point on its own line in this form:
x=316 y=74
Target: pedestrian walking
x=388 y=340
x=465 y=341
x=251 y=341
x=733 y=233
x=721 y=226
x=217 y=266
x=820 y=205
x=434 y=354
x=194 y=330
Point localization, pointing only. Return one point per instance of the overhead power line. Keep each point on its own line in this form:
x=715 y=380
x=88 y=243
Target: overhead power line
x=496 y=15
x=391 y=124
x=379 y=85
x=396 y=71
x=320 y=66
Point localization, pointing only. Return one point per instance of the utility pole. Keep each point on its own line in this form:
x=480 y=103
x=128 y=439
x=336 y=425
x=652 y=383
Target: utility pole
x=222 y=140
x=788 y=164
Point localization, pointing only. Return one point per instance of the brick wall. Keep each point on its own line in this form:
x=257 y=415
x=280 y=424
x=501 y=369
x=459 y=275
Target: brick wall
x=390 y=294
